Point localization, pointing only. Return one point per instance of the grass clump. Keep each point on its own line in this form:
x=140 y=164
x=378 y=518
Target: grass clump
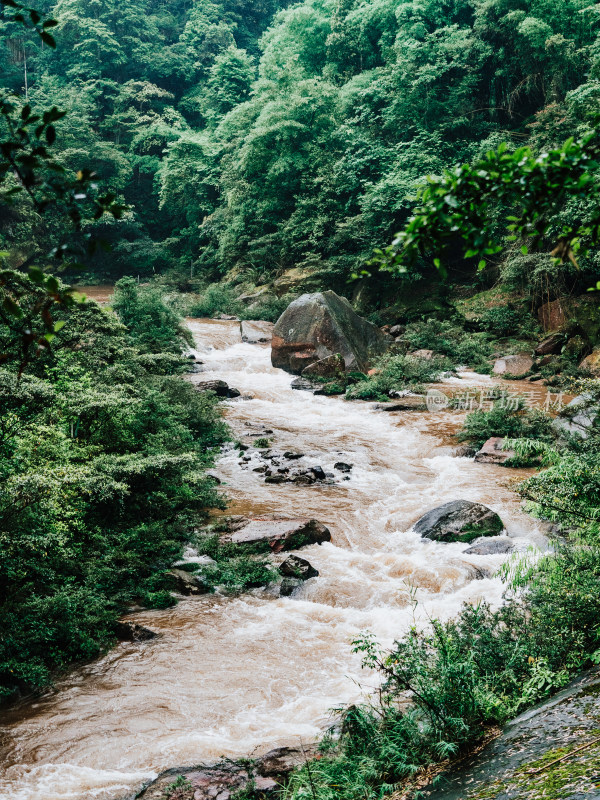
x=508 y=418
x=398 y=373
x=233 y=571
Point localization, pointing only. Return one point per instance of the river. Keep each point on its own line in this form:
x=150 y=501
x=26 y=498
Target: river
x=235 y=676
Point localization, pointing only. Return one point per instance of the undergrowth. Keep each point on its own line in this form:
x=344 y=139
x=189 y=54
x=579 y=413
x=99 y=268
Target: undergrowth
x=220 y=298
x=448 y=339
x=507 y=418
x=398 y=373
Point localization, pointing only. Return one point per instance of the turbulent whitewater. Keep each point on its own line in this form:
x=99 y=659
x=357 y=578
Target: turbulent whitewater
x=235 y=676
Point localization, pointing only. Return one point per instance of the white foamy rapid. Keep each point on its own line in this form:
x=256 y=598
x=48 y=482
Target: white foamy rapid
x=235 y=676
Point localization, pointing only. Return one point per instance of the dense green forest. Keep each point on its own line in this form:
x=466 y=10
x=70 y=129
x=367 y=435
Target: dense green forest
x=257 y=137
x=216 y=149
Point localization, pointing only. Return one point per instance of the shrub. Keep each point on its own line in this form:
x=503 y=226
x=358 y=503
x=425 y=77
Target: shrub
x=220 y=298
x=502 y=321
x=506 y=421
x=216 y=299
x=102 y=469
x=448 y=339
x=234 y=571
x=153 y=326
x=398 y=373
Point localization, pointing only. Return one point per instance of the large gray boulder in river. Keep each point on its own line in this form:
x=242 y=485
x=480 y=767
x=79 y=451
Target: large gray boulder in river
x=459 y=521
x=316 y=326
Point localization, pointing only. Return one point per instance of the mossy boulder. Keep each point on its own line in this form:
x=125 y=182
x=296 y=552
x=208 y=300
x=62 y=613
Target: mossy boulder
x=459 y=521
x=275 y=532
x=317 y=326
x=578 y=315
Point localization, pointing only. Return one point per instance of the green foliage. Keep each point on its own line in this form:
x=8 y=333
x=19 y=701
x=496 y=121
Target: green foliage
x=232 y=571
x=216 y=299
x=273 y=135
x=397 y=374
x=502 y=321
x=219 y=298
x=508 y=418
x=461 y=678
x=534 y=188
x=154 y=327
x=448 y=339
x=569 y=491
x=102 y=466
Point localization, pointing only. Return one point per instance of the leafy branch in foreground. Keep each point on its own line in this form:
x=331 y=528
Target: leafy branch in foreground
x=28 y=167
x=29 y=18
x=529 y=189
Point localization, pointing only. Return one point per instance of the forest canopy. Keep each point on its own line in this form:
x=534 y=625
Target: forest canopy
x=265 y=136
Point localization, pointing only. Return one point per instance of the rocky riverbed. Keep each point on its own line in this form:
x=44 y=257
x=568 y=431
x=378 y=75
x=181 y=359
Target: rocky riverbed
x=235 y=676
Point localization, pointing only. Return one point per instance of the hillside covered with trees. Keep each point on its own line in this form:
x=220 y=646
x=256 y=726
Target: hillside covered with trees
x=257 y=137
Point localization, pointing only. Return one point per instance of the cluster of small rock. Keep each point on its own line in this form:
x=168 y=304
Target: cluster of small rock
x=282 y=467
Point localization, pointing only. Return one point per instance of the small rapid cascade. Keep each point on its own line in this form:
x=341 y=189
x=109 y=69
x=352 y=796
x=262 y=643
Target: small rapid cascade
x=233 y=676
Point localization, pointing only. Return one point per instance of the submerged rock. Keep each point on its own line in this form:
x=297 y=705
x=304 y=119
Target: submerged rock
x=277 y=532
x=303 y=384
x=491 y=546
x=256 y=331
x=459 y=521
x=341 y=466
x=132 y=632
x=317 y=326
x=289 y=586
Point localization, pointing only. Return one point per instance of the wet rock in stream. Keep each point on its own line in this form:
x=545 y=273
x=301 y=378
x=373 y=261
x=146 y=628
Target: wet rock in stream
x=224 y=780
x=276 y=532
x=296 y=567
x=491 y=546
x=341 y=466
x=459 y=521
x=272 y=464
x=132 y=632
x=303 y=384
x=187 y=583
x=220 y=388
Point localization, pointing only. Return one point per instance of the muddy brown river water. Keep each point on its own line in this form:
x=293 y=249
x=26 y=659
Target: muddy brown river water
x=238 y=675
